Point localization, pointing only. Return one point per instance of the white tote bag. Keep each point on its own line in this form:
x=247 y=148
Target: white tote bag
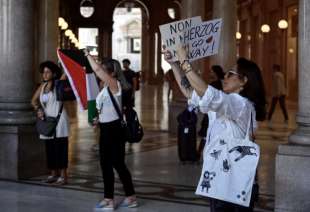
x=229 y=169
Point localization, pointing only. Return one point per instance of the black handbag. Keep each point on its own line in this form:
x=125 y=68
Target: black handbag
x=132 y=129
x=64 y=91
x=47 y=126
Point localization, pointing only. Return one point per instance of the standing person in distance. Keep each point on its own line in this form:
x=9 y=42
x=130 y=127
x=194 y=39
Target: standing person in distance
x=278 y=93
x=131 y=77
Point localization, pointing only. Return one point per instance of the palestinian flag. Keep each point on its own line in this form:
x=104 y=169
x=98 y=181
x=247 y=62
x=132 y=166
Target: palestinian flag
x=81 y=78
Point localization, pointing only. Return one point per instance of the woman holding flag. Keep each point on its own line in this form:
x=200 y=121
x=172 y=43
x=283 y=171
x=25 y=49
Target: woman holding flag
x=112 y=143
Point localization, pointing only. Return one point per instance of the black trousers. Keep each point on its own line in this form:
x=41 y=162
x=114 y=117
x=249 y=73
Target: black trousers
x=112 y=155
x=282 y=105
x=56 y=153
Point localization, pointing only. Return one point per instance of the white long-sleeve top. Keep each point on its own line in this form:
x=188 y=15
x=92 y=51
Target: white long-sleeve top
x=228 y=113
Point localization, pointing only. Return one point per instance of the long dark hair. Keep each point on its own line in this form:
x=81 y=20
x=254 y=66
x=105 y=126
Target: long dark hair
x=254 y=89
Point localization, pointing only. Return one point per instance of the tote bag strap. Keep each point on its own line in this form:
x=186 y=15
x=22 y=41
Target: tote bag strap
x=250 y=127
x=116 y=107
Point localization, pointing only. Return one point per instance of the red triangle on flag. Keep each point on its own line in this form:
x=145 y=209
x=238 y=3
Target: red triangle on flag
x=77 y=76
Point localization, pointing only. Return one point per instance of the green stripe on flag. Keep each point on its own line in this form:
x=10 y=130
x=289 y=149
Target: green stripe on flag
x=92 y=110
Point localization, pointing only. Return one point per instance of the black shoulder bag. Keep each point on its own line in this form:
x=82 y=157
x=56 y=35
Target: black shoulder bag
x=133 y=130
x=47 y=126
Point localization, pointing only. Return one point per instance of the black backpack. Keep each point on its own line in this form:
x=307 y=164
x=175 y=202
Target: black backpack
x=132 y=129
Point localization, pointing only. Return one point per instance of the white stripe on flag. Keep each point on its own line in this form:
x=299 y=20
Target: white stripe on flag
x=91 y=86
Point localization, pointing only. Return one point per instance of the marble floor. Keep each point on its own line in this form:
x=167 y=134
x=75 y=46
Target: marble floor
x=161 y=182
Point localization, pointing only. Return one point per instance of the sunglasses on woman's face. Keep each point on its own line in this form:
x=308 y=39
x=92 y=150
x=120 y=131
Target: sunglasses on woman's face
x=231 y=73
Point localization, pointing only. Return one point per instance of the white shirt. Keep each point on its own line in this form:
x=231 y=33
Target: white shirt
x=104 y=104
x=51 y=108
x=228 y=113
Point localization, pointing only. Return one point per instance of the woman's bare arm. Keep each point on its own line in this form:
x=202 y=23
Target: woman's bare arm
x=187 y=92
x=35 y=98
x=101 y=74
x=198 y=84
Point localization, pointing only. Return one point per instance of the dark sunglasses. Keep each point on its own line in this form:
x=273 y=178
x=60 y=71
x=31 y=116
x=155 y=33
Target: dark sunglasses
x=231 y=73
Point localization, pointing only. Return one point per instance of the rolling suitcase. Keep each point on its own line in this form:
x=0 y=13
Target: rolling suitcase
x=187 y=121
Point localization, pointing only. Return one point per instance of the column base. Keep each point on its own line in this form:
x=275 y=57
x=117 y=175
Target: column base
x=292 y=182
x=22 y=155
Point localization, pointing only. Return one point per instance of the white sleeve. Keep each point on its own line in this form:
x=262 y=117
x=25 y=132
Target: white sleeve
x=232 y=106
x=194 y=100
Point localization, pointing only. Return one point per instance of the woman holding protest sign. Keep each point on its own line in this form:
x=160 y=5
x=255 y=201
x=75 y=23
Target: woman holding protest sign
x=233 y=114
x=112 y=142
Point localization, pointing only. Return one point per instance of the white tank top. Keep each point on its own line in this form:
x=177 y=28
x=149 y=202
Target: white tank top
x=104 y=104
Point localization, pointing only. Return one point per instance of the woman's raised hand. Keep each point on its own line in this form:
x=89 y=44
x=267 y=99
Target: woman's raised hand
x=182 y=52
x=167 y=55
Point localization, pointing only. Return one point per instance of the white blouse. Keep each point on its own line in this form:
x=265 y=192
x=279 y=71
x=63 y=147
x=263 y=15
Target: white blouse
x=228 y=113
x=104 y=104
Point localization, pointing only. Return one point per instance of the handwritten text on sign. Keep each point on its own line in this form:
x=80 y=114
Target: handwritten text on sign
x=203 y=40
x=172 y=33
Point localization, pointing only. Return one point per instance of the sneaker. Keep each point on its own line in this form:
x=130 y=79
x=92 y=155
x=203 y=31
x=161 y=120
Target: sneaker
x=51 y=179
x=61 y=181
x=104 y=205
x=127 y=203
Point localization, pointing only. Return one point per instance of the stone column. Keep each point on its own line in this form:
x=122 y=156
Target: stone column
x=105 y=40
x=226 y=56
x=192 y=8
x=293 y=159
x=47 y=32
x=20 y=152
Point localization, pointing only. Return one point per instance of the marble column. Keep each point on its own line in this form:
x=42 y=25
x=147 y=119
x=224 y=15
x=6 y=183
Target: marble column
x=293 y=159
x=192 y=8
x=105 y=40
x=20 y=152
x=227 y=10
x=145 y=42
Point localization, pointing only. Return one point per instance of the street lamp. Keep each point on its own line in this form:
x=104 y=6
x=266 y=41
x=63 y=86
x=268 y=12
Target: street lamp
x=265 y=28
x=238 y=35
x=282 y=24
x=87 y=8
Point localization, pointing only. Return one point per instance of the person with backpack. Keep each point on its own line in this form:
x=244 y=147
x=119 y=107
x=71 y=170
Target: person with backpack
x=112 y=142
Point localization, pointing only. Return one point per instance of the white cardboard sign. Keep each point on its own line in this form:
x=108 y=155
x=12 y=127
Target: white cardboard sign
x=202 y=38
x=172 y=33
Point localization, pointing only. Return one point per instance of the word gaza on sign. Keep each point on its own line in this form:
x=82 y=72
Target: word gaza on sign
x=172 y=33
